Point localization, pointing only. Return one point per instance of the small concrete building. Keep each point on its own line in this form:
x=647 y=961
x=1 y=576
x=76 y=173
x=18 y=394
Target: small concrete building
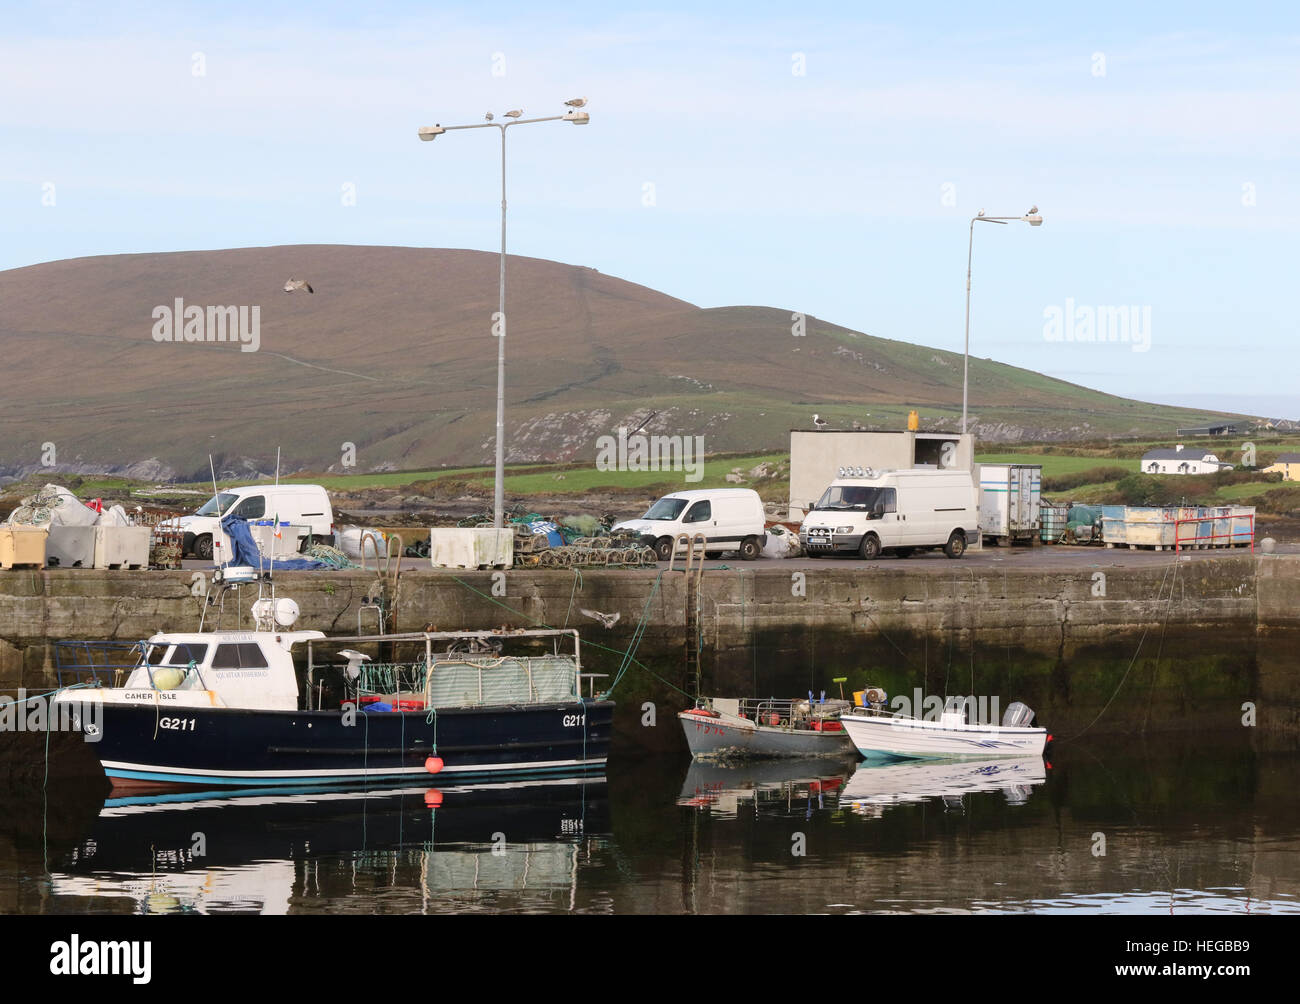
x=816 y=455
x=1178 y=460
x=1288 y=465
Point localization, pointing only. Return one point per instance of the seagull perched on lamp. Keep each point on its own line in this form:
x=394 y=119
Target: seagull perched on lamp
x=515 y=113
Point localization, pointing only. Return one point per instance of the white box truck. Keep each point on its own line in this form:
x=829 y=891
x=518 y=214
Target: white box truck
x=1010 y=502
x=865 y=512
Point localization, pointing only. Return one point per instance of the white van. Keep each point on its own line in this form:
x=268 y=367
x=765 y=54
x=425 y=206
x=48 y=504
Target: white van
x=731 y=519
x=864 y=512
x=297 y=505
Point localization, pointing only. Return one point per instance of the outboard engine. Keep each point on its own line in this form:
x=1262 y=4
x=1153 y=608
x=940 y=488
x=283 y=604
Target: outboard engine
x=1017 y=716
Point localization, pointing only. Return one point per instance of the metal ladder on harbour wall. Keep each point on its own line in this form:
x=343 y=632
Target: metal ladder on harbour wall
x=692 y=640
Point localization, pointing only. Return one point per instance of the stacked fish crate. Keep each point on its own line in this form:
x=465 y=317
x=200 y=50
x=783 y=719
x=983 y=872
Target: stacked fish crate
x=1178 y=527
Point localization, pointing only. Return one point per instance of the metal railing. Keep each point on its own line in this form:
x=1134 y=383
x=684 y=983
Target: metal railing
x=105 y=663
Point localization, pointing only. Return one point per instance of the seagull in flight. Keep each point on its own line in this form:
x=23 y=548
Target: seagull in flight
x=576 y=102
x=609 y=620
x=294 y=285
x=355 y=659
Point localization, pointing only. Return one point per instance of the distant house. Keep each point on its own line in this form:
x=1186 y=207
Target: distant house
x=1288 y=465
x=1177 y=460
x=1236 y=429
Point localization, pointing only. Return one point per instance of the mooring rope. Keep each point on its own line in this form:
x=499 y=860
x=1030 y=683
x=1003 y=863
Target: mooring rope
x=1132 y=662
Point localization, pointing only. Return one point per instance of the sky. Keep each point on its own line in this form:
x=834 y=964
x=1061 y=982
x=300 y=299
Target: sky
x=823 y=158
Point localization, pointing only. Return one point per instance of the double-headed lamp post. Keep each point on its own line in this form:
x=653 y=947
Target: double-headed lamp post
x=1034 y=220
x=513 y=118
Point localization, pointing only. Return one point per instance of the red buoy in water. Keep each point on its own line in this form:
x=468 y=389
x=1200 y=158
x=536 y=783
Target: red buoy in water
x=433 y=764
x=433 y=798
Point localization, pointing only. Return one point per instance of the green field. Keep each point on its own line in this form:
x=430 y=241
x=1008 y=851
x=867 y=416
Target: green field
x=1054 y=464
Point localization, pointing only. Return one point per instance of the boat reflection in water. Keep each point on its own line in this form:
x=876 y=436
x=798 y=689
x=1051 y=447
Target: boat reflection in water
x=874 y=787
x=781 y=785
x=499 y=846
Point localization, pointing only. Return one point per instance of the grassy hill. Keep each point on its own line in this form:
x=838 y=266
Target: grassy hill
x=394 y=353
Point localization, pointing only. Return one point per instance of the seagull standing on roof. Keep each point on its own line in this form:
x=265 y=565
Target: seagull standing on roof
x=293 y=285
x=819 y=422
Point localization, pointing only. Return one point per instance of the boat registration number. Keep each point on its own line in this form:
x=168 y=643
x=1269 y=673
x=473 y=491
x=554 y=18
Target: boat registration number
x=572 y=721
x=178 y=724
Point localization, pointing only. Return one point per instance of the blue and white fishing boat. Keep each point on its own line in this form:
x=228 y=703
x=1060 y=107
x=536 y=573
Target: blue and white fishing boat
x=233 y=709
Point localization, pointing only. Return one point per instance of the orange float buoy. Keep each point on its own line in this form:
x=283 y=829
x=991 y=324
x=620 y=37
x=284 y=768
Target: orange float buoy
x=433 y=798
x=433 y=764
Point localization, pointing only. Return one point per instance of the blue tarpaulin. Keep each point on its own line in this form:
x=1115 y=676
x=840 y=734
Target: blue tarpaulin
x=244 y=550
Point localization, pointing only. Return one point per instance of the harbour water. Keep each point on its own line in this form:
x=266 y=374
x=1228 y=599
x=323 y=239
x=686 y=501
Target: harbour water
x=1104 y=825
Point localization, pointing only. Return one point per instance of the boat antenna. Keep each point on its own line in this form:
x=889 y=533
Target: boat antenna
x=277 y=465
x=215 y=494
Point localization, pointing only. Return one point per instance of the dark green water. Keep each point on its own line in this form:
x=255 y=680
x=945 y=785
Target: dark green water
x=1193 y=826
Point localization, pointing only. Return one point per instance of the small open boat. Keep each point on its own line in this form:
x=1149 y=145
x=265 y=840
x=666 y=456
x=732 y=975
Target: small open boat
x=882 y=735
x=752 y=727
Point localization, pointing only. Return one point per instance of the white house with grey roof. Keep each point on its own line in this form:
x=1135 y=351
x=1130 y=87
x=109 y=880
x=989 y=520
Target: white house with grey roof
x=1178 y=460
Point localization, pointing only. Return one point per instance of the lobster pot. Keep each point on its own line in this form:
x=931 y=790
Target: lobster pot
x=490 y=681
x=1053 y=523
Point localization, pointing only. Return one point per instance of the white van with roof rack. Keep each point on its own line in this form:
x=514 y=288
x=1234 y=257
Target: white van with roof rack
x=865 y=512
x=731 y=519
x=305 y=506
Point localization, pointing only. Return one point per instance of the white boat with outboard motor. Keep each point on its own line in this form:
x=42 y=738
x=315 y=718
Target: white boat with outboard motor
x=880 y=734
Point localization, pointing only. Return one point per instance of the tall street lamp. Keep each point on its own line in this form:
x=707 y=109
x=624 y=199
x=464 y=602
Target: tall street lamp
x=428 y=133
x=1034 y=220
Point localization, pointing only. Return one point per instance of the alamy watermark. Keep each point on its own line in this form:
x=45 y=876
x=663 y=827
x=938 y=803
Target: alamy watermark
x=1130 y=325
x=639 y=452
x=179 y=323
x=36 y=714
x=982 y=710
